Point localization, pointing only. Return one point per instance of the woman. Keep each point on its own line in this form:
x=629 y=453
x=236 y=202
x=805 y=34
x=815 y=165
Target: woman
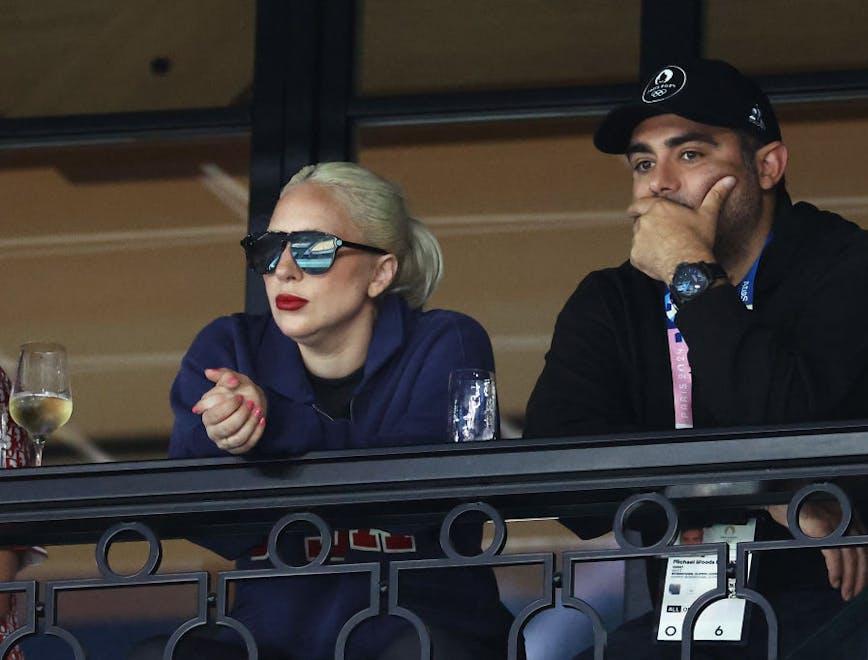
x=345 y=360
x=18 y=454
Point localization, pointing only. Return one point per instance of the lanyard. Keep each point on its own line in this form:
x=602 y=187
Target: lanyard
x=682 y=379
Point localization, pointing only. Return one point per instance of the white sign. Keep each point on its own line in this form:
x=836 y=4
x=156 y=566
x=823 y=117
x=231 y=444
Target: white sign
x=690 y=576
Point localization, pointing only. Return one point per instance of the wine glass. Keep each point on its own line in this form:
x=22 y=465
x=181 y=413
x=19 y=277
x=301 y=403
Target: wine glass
x=41 y=400
x=473 y=405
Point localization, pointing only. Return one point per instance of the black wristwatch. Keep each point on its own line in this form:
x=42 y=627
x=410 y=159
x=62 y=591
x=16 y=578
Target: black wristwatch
x=691 y=279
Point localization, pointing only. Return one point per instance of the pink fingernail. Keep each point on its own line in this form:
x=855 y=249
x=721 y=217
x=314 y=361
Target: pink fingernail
x=195 y=410
x=250 y=405
x=262 y=422
x=258 y=412
x=233 y=381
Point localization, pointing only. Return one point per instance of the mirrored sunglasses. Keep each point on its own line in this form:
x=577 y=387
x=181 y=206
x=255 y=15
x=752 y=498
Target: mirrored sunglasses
x=313 y=251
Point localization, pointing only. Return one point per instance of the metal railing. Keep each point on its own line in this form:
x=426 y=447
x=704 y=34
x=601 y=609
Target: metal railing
x=609 y=476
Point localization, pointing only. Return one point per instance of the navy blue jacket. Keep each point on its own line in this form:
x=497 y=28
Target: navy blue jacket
x=401 y=399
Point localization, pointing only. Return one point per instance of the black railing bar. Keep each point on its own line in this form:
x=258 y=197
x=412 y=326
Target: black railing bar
x=612 y=554
x=467 y=117
x=617 y=554
x=552 y=488
x=796 y=544
x=577 y=101
x=761 y=458
x=486 y=101
x=535 y=559
x=780 y=86
x=793 y=447
x=491 y=116
x=29 y=132
x=157 y=579
x=548 y=493
x=174 y=466
x=783 y=86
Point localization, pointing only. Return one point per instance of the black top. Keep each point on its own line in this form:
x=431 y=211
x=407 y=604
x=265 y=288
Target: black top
x=333 y=395
x=800 y=355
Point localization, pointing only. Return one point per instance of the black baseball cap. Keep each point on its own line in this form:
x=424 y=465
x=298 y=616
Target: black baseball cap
x=705 y=91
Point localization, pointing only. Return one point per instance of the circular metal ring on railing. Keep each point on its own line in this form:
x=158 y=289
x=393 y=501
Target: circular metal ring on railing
x=499 y=531
x=325 y=535
x=155 y=550
x=630 y=505
x=798 y=501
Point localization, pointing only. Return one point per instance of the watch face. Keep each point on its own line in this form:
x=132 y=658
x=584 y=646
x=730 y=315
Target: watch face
x=689 y=280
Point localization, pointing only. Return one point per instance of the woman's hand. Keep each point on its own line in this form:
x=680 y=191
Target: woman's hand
x=233 y=411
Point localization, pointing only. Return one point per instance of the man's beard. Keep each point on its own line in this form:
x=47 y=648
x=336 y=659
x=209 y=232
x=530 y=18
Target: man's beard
x=738 y=219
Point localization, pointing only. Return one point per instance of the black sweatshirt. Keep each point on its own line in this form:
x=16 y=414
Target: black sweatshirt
x=800 y=355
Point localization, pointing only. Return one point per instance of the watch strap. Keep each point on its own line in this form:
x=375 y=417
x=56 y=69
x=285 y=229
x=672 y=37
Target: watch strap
x=715 y=270
x=712 y=272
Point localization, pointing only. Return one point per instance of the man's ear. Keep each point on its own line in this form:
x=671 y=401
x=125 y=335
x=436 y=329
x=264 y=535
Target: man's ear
x=385 y=270
x=771 y=163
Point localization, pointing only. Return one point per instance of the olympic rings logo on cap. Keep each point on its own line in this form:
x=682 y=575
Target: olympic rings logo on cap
x=668 y=82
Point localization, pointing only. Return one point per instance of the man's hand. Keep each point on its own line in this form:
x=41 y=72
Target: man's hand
x=666 y=233
x=233 y=411
x=847 y=567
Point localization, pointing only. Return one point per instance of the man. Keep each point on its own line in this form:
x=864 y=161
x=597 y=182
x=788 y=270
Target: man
x=769 y=298
x=691 y=536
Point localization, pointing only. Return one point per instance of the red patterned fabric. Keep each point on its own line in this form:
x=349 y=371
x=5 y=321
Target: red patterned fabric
x=18 y=454
x=8 y=624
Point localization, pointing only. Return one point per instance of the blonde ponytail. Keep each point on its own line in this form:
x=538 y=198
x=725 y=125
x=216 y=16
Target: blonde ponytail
x=377 y=207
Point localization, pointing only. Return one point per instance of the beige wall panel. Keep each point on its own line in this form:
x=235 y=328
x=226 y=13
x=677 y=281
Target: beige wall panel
x=782 y=36
x=412 y=46
x=90 y=189
x=92 y=56
x=127 y=400
x=829 y=164
x=546 y=166
x=125 y=299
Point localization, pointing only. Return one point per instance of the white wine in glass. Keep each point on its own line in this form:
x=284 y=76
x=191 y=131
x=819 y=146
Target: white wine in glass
x=41 y=400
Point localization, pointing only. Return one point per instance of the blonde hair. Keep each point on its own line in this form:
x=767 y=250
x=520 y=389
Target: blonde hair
x=377 y=208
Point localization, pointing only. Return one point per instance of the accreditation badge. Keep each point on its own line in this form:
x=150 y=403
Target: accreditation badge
x=690 y=576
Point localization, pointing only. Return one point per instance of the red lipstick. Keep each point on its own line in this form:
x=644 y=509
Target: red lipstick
x=290 y=303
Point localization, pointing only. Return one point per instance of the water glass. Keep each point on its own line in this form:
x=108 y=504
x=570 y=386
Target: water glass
x=473 y=405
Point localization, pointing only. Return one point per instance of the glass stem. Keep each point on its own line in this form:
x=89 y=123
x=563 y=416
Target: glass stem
x=38 y=444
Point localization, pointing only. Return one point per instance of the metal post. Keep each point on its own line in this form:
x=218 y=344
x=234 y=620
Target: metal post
x=671 y=30
x=283 y=114
x=337 y=80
